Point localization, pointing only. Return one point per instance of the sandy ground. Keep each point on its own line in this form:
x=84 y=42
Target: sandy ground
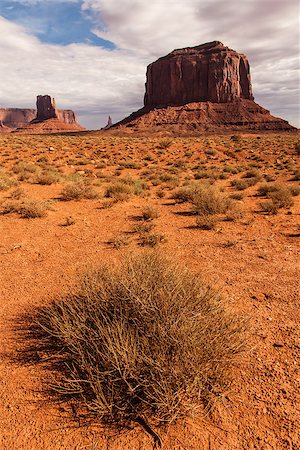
x=254 y=261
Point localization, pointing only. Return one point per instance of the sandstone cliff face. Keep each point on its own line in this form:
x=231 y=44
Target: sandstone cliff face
x=67 y=116
x=15 y=117
x=202 y=88
x=209 y=72
x=46 y=108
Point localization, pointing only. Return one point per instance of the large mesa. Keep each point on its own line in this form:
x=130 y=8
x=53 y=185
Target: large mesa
x=206 y=73
x=207 y=87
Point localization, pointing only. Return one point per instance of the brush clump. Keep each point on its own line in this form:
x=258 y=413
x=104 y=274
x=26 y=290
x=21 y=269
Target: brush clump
x=146 y=338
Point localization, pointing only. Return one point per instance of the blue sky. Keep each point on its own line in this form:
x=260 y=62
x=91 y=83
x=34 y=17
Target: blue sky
x=91 y=55
x=54 y=22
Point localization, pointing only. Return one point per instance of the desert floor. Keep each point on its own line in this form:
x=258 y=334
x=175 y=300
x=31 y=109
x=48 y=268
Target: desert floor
x=251 y=255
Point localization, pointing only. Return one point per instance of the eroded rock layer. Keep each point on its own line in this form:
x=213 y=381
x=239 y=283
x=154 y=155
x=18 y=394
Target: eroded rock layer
x=240 y=115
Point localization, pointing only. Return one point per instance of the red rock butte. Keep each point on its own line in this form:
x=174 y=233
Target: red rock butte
x=45 y=119
x=206 y=73
x=207 y=87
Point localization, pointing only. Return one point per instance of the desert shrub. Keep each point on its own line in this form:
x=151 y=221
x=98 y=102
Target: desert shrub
x=150 y=213
x=252 y=173
x=165 y=143
x=9 y=207
x=47 y=177
x=206 y=222
x=235 y=212
x=297 y=148
x=24 y=170
x=185 y=193
x=269 y=207
x=282 y=197
x=6 y=182
x=28 y=209
x=146 y=338
x=119 y=191
x=243 y=184
x=236 y=196
x=149 y=239
x=296 y=176
x=208 y=201
x=265 y=189
x=78 y=190
x=143 y=227
x=120 y=241
x=33 y=209
x=17 y=193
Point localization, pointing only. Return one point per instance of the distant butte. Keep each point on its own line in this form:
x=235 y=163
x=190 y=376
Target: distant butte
x=45 y=119
x=202 y=88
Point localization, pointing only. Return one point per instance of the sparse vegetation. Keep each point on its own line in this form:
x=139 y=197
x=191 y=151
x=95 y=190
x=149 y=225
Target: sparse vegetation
x=78 y=190
x=146 y=339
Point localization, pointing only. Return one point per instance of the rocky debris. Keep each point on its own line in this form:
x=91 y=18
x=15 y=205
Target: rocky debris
x=202 y=88
x=239 y=115
x=109 y=123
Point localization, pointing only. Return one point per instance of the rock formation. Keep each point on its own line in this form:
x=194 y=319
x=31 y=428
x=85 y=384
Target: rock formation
x=34 y=119
x=3 y=128
x=16 y=117
x=46 y=108
x=207 y=87
x=206 y=73
x=109 y=123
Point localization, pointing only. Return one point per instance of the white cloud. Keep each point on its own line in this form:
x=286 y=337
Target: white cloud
x=82 y=77
x=96 y=81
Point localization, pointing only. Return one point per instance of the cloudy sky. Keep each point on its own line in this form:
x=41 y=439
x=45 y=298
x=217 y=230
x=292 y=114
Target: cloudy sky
x=91 y=55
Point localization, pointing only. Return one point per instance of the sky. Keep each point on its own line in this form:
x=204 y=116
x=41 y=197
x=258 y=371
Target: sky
x=91 y=55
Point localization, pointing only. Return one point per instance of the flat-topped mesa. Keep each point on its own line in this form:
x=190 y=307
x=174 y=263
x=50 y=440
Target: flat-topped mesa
x=209 y=72
x=46 y=108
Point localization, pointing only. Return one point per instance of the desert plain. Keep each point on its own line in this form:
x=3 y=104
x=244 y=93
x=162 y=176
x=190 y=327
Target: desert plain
x=69 y=202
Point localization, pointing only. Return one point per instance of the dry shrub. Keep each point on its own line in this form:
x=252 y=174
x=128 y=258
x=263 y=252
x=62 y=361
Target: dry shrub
x=206 y=222
x=28 y=209
x=119 y=191
x=144 y=339
x=78 y=190
x=280 y=197
x=33 y=209
x=185 y=193
x=6 y=182
x=149 y=239
x=17 y=193
x=150 y=213
x=47 y=177
x=208 y=200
